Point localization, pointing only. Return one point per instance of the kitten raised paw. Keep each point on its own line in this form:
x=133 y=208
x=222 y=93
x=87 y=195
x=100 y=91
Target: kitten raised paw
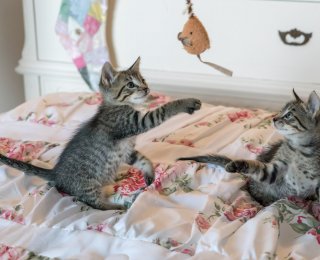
x=193 y=105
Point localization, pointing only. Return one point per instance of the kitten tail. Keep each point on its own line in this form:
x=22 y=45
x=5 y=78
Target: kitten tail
x=219 y=160
x=28 y=168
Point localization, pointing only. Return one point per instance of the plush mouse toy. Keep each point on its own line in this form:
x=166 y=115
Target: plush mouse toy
x=194 y=36
x=195 y=39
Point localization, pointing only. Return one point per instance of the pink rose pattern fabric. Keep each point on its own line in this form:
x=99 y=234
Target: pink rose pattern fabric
x=239 y=115
x=25 y=151
x=243 y=208
x=132 y=183
x=18 y=253
x=202 y=223
x=12 y=215
x=43 y=119
x=246 y=119
x=178 y=182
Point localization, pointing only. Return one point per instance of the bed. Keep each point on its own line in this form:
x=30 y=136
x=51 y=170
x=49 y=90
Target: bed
x=191 y=211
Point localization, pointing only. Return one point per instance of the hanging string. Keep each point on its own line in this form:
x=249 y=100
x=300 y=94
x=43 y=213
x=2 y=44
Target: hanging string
x=217 y=67
x=189 y=8
x=223 y=70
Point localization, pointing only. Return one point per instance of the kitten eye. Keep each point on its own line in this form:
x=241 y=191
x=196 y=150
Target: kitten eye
x=288 y=115
x=130 y=85
x=143 y=81
x=190 y=33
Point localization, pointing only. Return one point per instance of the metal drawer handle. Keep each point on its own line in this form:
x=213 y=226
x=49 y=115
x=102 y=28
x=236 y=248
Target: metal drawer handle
x=294 y=33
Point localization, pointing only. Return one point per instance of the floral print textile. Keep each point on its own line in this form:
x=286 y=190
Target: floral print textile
x=190 y=211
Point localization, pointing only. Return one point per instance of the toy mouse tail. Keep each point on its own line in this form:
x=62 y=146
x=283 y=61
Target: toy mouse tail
x=217 y=67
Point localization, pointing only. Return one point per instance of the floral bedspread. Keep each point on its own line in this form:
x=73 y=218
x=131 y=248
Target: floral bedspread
x=191 y=211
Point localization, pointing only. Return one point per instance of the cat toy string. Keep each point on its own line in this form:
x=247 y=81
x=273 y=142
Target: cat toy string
x=189 y=8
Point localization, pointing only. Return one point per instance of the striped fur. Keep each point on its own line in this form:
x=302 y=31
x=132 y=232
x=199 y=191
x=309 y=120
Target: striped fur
x=290 y=167
x=87 y=168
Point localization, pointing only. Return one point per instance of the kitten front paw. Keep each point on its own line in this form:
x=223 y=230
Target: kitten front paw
x=146 y=168
x=191 y=105
x=149 y=180
x=239 y=166
x=122 y=208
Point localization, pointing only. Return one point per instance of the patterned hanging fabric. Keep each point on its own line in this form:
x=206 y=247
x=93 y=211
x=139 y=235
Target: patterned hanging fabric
x=81 y=28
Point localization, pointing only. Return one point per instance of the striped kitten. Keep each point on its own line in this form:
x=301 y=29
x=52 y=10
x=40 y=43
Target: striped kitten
x=290 y=167
x=87 y=168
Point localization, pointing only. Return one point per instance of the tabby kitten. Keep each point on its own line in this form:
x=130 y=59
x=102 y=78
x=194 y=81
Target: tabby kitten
x=87 y=168
x=290 y=167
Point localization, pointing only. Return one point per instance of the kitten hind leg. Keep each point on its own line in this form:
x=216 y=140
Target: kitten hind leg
x=96 y=197
x=245 y=166
x=259 y=171
x=141 y=162
x=104 y=205
x=107 y=191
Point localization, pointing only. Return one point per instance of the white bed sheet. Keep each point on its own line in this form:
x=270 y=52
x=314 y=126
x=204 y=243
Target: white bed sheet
x=191 y=211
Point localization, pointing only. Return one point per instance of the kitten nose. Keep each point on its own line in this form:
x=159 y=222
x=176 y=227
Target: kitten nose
x=147 y=91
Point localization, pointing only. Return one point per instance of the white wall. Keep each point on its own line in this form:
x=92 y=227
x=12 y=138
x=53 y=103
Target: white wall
x=11 y=43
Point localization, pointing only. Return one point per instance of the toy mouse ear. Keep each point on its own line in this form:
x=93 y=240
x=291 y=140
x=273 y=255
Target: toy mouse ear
x=108 y=75
x=136 y=65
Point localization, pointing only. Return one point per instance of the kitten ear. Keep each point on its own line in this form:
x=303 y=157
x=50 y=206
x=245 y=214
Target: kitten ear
x=108 y=74
x=135 y=66
x=313 y=103
x=298 y=99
